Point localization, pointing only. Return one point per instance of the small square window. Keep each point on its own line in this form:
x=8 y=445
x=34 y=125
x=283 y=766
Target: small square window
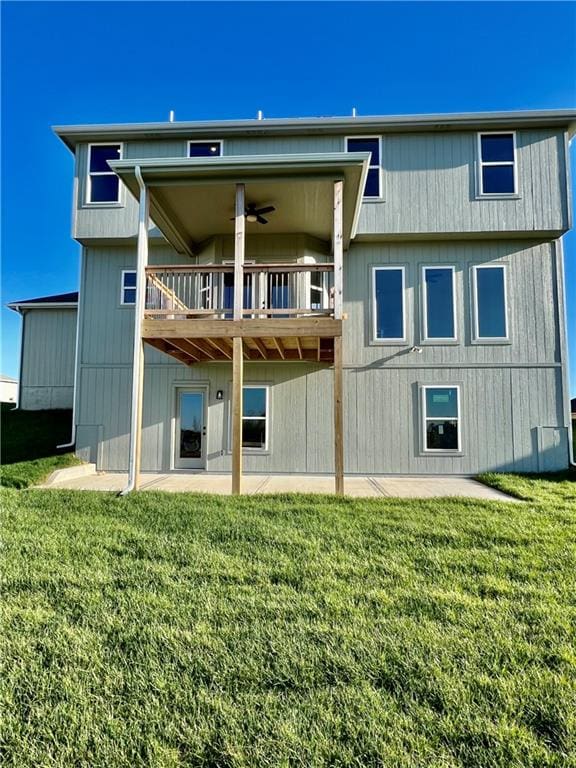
x=497 y=163
x=373 y=187
x=204 y=148
x=128 y=287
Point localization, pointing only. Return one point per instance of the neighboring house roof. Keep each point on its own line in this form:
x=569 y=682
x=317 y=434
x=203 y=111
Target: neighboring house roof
x=73 y=134
x=57 y=301
x=8 y=379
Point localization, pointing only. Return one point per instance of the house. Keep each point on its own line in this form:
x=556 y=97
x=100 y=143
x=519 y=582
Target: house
x=326 y=295
x=8 y=389
x=47 y=351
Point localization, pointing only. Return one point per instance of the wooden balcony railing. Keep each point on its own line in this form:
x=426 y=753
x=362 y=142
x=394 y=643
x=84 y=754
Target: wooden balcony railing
x=270 y=290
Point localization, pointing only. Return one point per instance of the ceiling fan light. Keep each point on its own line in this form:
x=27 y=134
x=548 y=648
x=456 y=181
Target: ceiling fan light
x=252 y=218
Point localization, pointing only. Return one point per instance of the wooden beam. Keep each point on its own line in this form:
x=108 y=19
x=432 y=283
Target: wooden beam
x=325 y=327
x=206 y=349
x=239 y=246
x=318 y=349
x=338 y=249
x=338 y=419
x=299 y=347
x=187 y=347
x=261 y=348
x=279 y=347
x=237 y=376
x=221 y=346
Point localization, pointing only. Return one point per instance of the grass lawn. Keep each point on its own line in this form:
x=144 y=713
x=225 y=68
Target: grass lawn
x=169 y=630
x=28 y=441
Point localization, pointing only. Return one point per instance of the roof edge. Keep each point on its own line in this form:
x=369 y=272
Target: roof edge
x=72 y=134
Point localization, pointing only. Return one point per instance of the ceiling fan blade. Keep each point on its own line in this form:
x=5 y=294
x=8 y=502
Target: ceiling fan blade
x=261 y=220
x=268 y=209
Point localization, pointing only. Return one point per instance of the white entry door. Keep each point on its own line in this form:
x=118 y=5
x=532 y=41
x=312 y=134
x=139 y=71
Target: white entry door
x=190 y=429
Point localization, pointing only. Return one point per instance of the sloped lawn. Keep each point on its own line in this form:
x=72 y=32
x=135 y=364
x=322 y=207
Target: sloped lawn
x=171 y=630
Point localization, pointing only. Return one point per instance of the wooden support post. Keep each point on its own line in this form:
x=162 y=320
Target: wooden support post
x=237 y=377
x=134 y=459
x=338 y=418
x=239 y=248
x=337 y=243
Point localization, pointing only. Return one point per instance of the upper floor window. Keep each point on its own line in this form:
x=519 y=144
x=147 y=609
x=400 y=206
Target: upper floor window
x=490 y=308
x=370 y=144
x=128 y=287
x=497 y=163
x=204 y=148
x=103 y=184
x=388 y=312
x=439 y=319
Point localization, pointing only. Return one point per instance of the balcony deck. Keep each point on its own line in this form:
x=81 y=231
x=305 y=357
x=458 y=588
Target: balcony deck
x=287 y=313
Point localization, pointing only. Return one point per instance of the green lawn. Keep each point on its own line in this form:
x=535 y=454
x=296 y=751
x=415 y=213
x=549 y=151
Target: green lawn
x=171 y=630
x=28 y=441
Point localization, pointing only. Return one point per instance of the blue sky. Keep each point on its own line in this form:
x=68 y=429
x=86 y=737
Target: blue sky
x=105 y=62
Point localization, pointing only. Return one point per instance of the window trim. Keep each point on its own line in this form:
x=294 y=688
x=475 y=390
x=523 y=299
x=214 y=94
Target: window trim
x=424 y=419
x=204 y=141
x=123 y=288
x=375 y=338
x=103 y=203
x=476 y=338
x=380 y=197
x=252 y=385
x=481 y=163
x=438 y=339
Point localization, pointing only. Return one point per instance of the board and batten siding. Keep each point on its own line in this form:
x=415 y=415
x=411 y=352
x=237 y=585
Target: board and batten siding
x=502 y=410
x=429 y=185
x=47 y=371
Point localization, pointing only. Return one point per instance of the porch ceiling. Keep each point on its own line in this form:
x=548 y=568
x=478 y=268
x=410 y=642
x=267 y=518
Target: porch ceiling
x=192 y=199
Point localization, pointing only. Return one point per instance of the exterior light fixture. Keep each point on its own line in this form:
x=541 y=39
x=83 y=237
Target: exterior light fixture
x=220 y=394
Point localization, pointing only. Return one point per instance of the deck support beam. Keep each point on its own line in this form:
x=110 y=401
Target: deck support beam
x=138 y=354
x=237 y=383
x=238 y=344
x=338 y=301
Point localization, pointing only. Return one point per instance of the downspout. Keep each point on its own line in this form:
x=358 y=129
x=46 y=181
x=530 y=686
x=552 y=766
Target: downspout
x=23 y=313
x=137 y=359
x=72 y=442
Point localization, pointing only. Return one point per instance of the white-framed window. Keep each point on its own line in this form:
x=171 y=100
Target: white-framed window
x=204 y=148
x=441 y=431
x=128 y=287
x=388 y=304
x=372 y=144
x=102 y=184
x=439 y=303
x=255 y=418
x=497 y=165
x=490 y=303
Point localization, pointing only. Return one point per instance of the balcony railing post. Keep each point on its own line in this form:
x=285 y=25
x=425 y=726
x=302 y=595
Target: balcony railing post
x=239 y=247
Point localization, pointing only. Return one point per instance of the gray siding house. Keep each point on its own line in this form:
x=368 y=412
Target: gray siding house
x=47 y=351
x=333 y=295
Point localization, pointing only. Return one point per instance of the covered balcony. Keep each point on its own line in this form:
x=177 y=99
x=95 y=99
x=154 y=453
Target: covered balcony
x=204 y=310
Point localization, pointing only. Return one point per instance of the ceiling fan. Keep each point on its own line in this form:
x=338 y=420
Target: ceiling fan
x=254 y=214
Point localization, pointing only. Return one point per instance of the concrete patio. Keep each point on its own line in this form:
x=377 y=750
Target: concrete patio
x=85 y=478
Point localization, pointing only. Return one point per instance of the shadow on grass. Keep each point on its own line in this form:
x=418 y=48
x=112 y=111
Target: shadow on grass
x=29 y=435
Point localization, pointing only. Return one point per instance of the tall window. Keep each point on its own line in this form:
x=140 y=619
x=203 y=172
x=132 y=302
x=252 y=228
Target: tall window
x=388 y=304
x=370 y=144
x=103 y=185
x=255 y=417
x=497 y=156
x=441 y=418
x=204 y=148
x=128 y=287
x=439 y=318
x=489 y=302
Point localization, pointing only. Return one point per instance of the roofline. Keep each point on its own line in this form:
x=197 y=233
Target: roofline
x=17 y=306
x=73 y=134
